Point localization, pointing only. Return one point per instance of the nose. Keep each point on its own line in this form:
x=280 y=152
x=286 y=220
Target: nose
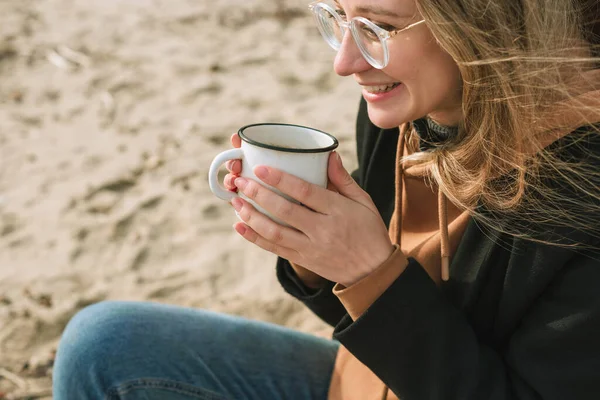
x=349 y=59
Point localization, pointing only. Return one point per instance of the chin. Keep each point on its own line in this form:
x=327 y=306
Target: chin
x=386 y=119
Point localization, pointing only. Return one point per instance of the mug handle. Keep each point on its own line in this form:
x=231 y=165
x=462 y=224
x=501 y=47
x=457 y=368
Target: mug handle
x=213 y=180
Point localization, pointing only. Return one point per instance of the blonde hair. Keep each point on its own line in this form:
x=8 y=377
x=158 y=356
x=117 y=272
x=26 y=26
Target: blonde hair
x=526 y=67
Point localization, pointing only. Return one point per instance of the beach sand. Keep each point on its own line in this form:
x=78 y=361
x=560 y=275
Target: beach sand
x=111 y=112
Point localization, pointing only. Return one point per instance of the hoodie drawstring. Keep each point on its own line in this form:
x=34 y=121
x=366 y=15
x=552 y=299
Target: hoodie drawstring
x=442 y=216
x=442 y=207
x=445 y=241
x=399 y=184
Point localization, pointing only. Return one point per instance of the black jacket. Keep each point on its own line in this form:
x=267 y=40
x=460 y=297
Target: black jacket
x=516 y=320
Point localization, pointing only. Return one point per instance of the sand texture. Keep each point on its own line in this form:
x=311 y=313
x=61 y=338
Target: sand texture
x=111 y=111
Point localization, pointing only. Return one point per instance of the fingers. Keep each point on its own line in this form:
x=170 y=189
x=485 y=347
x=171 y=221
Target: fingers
x=331 y=187
x=236 y=141
x=235 y=169
x=287 y=211
x=250 y=235
x=265 y=232
x=228 y=182
x=343 y=183
x=234 y=166
x=312 y=196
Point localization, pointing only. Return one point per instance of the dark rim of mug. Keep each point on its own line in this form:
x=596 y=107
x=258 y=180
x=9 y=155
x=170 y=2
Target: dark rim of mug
x=287 y=149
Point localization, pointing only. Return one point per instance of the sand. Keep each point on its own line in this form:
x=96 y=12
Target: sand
x=111 y=111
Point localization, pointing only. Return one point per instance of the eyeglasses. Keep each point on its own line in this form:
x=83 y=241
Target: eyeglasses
x=370 y=38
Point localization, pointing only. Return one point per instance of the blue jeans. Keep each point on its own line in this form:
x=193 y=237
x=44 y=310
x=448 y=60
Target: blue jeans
x=147 y=351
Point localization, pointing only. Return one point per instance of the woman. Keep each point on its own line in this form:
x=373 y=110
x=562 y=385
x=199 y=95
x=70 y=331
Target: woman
x=461 y=261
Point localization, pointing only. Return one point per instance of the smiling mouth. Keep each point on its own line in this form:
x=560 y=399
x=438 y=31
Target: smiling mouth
x=382 y=88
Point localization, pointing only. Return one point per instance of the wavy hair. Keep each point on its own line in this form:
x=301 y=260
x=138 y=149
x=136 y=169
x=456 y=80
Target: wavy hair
x=528 y=69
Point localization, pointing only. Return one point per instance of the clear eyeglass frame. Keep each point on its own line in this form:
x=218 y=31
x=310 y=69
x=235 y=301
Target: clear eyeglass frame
x=382 y=34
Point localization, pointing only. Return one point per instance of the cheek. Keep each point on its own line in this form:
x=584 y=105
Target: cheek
x=407 y=62
x=432 y=81
x=436 y=78
x=443 y=73
x=423 y=63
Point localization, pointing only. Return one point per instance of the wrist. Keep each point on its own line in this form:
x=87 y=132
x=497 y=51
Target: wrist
x=376 y=262
x=308 y=278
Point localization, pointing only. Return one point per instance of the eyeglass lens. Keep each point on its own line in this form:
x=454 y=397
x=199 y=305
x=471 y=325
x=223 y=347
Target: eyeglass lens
x=330 y=28
x=367 y=40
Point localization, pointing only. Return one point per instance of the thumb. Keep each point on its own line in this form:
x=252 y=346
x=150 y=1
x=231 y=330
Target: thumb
x=341 y=181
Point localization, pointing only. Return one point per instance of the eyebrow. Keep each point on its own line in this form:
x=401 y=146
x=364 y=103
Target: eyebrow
x=379 y=11
x=376 y=10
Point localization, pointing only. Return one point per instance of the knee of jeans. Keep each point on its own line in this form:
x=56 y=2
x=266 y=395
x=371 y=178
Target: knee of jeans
x=92 y=341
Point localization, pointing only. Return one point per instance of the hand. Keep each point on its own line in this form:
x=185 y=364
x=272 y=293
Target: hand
x=233 y=166
x=339 y=234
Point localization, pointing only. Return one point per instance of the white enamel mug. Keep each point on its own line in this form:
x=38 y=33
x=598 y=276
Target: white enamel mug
x=297 y=150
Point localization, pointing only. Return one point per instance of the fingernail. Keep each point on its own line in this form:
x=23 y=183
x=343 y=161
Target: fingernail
x=237 y=203
x=240 y=228
x=241 y=183
x=261 y=172
x=339 y=158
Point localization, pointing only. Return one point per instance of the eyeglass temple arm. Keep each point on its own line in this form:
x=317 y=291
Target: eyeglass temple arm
x=394 y=33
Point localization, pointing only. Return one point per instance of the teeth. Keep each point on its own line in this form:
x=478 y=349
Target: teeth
x=381 y=89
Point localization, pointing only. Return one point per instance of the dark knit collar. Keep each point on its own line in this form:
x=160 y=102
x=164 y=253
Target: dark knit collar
x=432 y=134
